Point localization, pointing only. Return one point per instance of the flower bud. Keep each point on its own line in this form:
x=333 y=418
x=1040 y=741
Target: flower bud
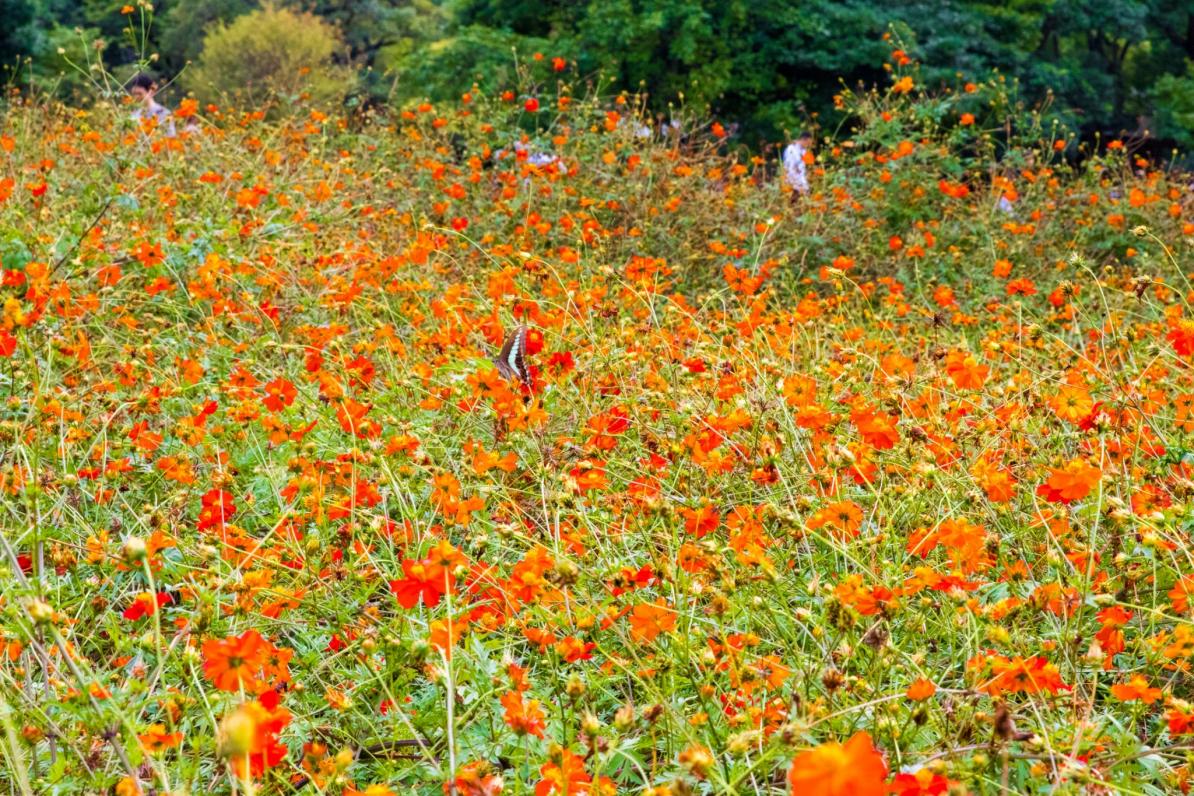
x=237 y=732
x=134 y=550
x=40 y=612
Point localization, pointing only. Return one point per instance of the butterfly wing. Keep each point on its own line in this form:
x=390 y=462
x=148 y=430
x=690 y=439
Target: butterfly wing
x=501 y=361
x=511 y=360
x=518 y=356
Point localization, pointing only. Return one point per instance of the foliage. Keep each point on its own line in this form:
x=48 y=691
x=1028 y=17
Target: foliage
x=882 y=492
x=769 y=66
x=15 y=37
x=271 y=53
x=1175 y=108
x=477 y=56
x=184 y=25
x=774 y=64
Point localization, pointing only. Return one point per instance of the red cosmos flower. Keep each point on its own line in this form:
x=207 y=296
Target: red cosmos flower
x=1181 y=722
x=8 y=343
x=877 y=429
x=217 y=507
x=1088 y=423
x=922 y=783
x=561 y=362
x=1181 y=336
x=534 y=341
x=604 y=428
x=145 y=604
x=572 y=649
x=149 y=255
x=531 y=105
x=249 y=736
x=1110 y=635
x=700 y=521
x=279 y=394
x=629 y=579
x=424 y=580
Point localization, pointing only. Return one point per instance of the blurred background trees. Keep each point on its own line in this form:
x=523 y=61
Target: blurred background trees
x=271 y=53
x=1102 y=66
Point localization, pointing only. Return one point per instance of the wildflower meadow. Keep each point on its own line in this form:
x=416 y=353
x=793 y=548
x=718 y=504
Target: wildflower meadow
x=880 y=491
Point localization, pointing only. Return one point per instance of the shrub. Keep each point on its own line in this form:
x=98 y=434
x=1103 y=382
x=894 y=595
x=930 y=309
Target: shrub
x=1175 y=107
x=475 y=56
x=272 y=53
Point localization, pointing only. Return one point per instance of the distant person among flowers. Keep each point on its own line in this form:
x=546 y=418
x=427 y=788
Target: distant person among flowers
x=796 y=155
x=142 y=89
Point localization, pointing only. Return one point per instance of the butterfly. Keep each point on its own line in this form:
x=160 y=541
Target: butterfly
x=511 y=360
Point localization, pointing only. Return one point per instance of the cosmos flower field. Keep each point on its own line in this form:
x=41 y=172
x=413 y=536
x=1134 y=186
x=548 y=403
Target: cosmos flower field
x=883 y=493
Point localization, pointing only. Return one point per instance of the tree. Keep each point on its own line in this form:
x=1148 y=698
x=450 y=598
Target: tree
x=370 y=26
x=17 y=33
x=181 y=25
x=272 y=53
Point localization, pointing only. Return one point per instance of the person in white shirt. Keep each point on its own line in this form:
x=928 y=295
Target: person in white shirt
x=795 y=169
x=142 y=89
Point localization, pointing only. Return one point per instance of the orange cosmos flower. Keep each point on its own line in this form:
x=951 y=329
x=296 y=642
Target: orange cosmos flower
x=1017 y=675
x=1182 y=594
x=966 y=372
x=523 y=716
x=566 y=776
x=921 y=689
x=145 y=604
x=155 y=738
x=1070 y=483
x=1110 y=635
x=589 y=475
x=1136 y=689
x=476 y=779
x=843 y=518
x=235 y=661
x=832 y=769
x=648 y=620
